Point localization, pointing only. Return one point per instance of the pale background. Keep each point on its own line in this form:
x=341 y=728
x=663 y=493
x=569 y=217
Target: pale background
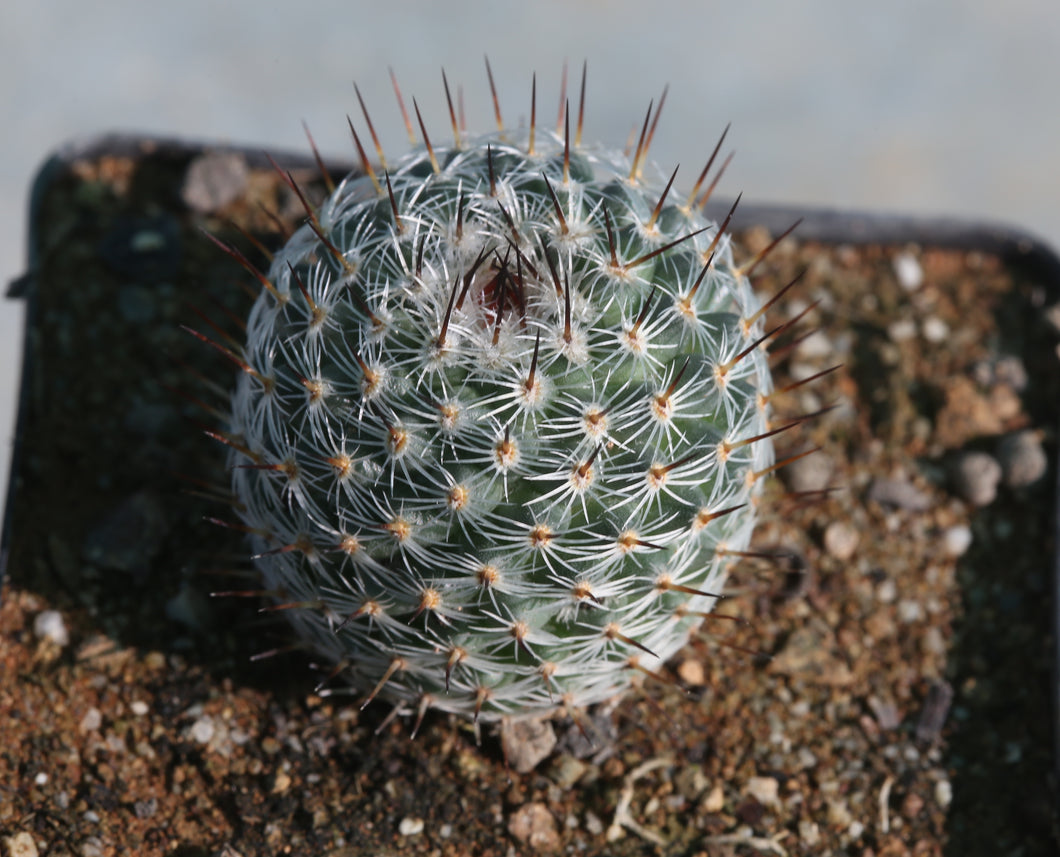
x=948 y=106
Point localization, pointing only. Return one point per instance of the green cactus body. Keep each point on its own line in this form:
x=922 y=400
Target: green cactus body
x=492 y=426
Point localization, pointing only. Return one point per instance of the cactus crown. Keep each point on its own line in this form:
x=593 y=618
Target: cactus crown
x=499 y=433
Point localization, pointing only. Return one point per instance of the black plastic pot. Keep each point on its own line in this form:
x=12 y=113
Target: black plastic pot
x=1017 y=248
x=134 y=348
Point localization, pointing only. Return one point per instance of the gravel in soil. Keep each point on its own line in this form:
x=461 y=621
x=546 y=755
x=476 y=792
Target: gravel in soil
x=878 y=685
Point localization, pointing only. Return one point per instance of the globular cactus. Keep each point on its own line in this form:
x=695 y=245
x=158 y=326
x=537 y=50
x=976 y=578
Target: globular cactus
x=503 y=423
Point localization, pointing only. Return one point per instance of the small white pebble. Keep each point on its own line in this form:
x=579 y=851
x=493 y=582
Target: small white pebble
x=856 y=829
x=526 y=743
x=841 y=540
x=139 y=707
x=957 y=539
x=714 y=801
x=811 y=473
x=932 y=642
x=975 y=478
x=908 y=271
x=593 y=824
x=809 y=833
x=910 y=611
x=1023 y=461
x=901 y=330
x=41 y=779
x=887 y=591
x=92 y=847
x=49 y=625
x=281 y=783
x=943 y=793
x=91 y=721
x=839 y=814
x=1010 y=370
x=815 y=346
x=202 y=730
x=763 y=789
x=445 y=831
x=935 y=329
x=802 y=371
x=91 y=816
x=21 y=845
x=410 y=826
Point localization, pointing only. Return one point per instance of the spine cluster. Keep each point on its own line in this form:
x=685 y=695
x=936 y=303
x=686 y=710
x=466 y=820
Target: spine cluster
x=502 y=424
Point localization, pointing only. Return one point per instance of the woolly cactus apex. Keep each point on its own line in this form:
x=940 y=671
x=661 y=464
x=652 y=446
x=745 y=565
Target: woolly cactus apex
x=503 y=424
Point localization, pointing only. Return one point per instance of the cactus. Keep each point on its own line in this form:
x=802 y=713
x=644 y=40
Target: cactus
x=503 y=422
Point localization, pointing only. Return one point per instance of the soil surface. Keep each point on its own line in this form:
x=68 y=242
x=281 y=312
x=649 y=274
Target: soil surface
x=879 y=683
